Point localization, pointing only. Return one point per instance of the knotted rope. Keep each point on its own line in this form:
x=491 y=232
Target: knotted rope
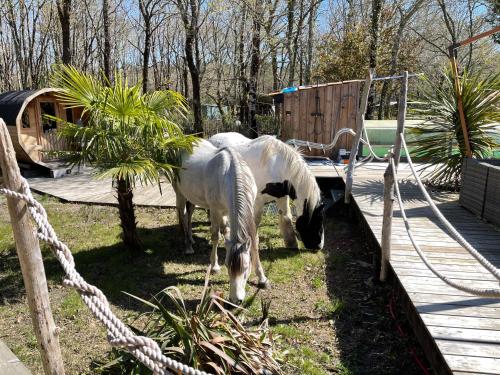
x=143 y=348
x=483 y=292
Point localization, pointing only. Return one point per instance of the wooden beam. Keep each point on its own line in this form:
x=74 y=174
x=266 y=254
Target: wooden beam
x=30 y=258
x=476 y=37
x=460 y=105
x=389 y=181
x=360 y=123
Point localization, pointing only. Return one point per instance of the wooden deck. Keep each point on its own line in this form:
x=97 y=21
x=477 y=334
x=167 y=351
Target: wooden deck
x=85 y=188
x=459 y=333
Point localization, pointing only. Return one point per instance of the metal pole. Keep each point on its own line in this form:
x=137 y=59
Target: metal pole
x=360 y=123
x=30 y=259
x=389 y=180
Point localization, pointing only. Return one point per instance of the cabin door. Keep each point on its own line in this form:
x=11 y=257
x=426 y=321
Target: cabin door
x=48 y=129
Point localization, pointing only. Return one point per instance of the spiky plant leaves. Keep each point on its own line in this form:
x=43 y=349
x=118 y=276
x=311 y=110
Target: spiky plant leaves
x=209 y=338
x=439 y=138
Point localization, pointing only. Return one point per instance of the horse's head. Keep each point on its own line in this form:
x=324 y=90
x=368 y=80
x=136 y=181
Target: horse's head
x=310 y=226
x=238 y=264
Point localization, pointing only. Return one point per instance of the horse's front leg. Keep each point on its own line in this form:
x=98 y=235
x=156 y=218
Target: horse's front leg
x=182 y=215
x=215 y=221
x=263 y=282
x=286 y=223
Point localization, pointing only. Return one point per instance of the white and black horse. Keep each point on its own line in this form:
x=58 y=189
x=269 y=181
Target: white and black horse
x=221 y=181
x=281 y=173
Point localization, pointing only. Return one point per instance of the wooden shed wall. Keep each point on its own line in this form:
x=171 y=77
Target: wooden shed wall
x=337 y=105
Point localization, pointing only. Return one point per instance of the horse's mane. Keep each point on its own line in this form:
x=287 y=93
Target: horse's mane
x=297 y=170
x=241 y=208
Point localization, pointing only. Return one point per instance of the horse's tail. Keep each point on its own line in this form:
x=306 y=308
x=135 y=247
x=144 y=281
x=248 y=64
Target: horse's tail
x=241 y=195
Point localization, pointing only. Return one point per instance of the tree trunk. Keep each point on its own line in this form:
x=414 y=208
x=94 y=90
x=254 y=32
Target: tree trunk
x=374 y=34
x=127 y=217
x=243 y=114
x=146 y=13
x=310 y=41
x=254 y=69
x=64 y=13
x=195 y=80
x=289 y=36
x=108 y=74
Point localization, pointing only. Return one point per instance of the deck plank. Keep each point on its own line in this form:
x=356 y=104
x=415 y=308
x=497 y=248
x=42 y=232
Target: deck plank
x=464 y=328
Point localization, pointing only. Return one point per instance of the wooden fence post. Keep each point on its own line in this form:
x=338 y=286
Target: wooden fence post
x=30 y=258
x=360 y=123
x=389 y=180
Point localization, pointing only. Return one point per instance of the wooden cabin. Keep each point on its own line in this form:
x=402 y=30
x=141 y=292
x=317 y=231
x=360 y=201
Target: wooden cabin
x=315 y=113
x=33 y=135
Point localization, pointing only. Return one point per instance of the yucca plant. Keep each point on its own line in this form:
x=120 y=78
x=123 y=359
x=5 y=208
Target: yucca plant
x=439 y=138
x=210 y=338
x=127 y=135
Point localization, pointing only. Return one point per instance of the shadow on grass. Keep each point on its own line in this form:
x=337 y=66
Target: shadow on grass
x=113 y=269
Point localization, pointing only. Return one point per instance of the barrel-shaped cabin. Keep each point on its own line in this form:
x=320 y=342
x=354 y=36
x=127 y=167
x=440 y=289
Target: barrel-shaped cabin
x=33 y=133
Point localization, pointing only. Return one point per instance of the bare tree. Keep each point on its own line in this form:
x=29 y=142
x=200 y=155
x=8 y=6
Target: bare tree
x=190 y=14
x=64 y=13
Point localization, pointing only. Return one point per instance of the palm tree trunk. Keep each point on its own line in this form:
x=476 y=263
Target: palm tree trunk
x=127 y=217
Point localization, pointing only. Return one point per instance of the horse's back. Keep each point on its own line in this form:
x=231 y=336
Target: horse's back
x=229 y=139
x=195 y=176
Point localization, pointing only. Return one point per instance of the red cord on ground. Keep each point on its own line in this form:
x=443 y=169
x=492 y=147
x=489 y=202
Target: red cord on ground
x=411 y=350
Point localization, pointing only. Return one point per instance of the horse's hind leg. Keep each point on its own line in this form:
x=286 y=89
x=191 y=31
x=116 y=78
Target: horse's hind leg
x=189 y=211
x=182 y=215
x=286 y=223
x=214 y=230
x=224 y=228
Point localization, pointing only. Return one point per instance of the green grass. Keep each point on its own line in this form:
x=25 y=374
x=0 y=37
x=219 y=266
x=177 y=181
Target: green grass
x=71 y=305
x=308 y=360
x=93 y=235
x=329 y=307
x=317 y=282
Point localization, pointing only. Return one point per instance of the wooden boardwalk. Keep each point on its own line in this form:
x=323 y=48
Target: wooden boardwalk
x=460 y=333
x=85 y=188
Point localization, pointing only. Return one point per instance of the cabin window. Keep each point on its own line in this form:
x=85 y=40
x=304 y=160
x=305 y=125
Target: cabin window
x=69 y=115
x=48 y=108
x=25 y=119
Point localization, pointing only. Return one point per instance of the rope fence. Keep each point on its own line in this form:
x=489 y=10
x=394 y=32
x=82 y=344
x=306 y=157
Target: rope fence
x=143 y=348
x=482 y=292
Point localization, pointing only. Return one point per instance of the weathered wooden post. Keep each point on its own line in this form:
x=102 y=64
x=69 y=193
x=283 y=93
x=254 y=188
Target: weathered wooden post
x=30 y=258
x=360 y=123
x=389 y=180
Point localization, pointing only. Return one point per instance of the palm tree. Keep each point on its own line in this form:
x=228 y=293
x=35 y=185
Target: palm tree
x=439 y=139
x=128 y=136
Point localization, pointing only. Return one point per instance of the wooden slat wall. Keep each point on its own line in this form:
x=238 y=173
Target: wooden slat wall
x=480 y=192
x=491 y=211
x=338 y=104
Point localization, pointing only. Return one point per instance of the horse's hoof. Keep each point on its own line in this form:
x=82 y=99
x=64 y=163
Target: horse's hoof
x=189 y=251
x=264 y=285
x=215 y=270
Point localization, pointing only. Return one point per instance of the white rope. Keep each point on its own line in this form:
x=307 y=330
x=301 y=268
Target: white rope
x=143 y=348
x=495 y=293
x=324 y=147
x=462 y=241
